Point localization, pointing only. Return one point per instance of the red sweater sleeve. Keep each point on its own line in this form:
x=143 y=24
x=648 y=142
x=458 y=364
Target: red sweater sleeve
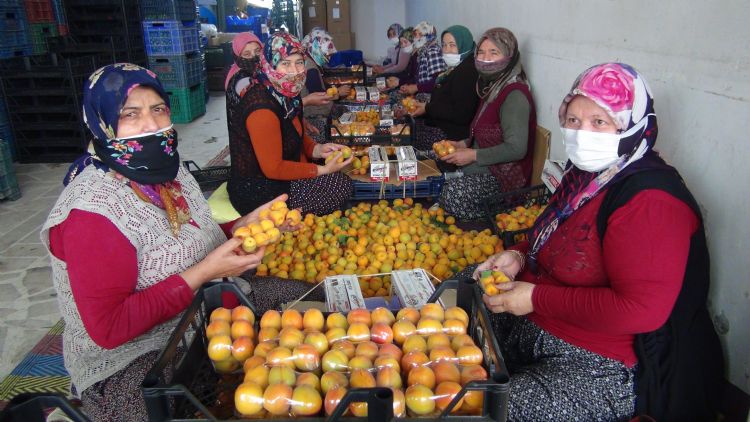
x=265 y=135
x=103 y=270
x=645 y=251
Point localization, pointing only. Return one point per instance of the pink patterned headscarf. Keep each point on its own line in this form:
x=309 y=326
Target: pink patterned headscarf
x=238 y=44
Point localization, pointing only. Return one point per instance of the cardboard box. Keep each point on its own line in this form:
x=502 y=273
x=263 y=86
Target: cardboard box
x=343 y=40
x=339 y=17
x=342 y=293
x=407 y=163
x=225 y=37
x=313 y=14
x=360 y=93
x=413 y=287
x=551 y=175
x=373 y=94
x=379 y=166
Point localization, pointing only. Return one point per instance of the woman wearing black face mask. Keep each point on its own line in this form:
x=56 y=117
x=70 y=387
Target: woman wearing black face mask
x=496 y=157
x=243 y=74
x=131 y=239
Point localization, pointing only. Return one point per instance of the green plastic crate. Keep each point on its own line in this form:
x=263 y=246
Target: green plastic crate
x=39 y=33
x=187 y=103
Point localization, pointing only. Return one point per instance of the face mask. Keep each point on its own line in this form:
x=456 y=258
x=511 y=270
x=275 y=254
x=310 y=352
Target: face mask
x=490 y=68
x=452 y=59
x=393 y=40
x=420 y=42
x=149 y=158
x=591 y=151
x=289 y=85
x=248 y=65
x=408 y=49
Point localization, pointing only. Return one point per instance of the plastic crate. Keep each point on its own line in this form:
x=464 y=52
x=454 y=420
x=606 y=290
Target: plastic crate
x=39 y=11
x=7 y=143
x=383 y=135
x=187 y=103
x=177 y=71
x=179 y=10
x=346 y=58
x=169 y=38
x=357 y=72
x=39 y=34
x=11 y=19
x=215 y=58
x=208 y=178
x=194 y=388
x=30 y=407
x=534 y=195
x=429 y=188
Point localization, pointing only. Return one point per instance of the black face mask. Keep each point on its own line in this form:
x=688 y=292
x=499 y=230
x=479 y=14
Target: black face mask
x=147 y=159
x=249 y=66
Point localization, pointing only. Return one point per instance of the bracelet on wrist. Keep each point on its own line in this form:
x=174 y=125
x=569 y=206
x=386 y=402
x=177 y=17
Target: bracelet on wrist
x=521 y=257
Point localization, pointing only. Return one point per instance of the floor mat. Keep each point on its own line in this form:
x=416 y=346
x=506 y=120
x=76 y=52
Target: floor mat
x=41 y=371
x=221 y=159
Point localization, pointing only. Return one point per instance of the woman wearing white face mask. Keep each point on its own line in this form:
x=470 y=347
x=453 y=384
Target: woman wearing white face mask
x=429 y=61
x=454 y=100
x=618 y=274
x=496 y=157
x=400 y=69
x=393 y=44
x=275 y=155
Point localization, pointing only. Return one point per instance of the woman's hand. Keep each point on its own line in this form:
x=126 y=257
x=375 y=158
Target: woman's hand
x=324 y=150
x=377 y=69
x=461 y=157
x=224 y=261
x=252 y=217
x=507 y=262
x=419 y=109
x=408 y=89
x=458 y=144
x=344 y=91
x=333 y=165
x=316 y=98
x=516 y=298
x=310 y=128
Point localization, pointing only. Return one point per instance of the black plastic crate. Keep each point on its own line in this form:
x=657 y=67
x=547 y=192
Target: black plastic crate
x=30 y=407
x=208 y=178
x=506 y=202
x=383 y=135
x=179 y=10
x=345 y=75
x=193 y=390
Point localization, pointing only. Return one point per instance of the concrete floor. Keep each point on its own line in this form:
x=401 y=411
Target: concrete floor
x=28 y=305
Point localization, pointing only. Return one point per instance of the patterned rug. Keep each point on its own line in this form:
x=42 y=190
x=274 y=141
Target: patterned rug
x=221 y=159
x=41 y=371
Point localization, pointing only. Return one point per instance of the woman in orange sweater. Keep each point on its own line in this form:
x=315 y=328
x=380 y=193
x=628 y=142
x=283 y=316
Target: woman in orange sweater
x=273 y=155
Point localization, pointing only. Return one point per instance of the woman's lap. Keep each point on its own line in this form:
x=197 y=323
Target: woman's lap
x=464 y=197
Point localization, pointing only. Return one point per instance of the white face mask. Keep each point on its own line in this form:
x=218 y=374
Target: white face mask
x=452 y=59
x=408 y=49
x=591 y=151
x=393 y=40
x=420 y=42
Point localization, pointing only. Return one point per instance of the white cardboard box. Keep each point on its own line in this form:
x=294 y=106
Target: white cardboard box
x=343 y=293
x=361 y=93
x=373 y=93
x=379 y=167
x=413 y=287
x=551 y=175
x=407 y=163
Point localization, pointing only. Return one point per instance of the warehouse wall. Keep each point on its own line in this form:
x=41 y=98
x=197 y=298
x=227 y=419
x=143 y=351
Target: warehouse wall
x=696 y=59
x=370 y=21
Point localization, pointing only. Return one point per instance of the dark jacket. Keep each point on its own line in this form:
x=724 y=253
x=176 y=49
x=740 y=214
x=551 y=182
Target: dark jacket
x=454 y=102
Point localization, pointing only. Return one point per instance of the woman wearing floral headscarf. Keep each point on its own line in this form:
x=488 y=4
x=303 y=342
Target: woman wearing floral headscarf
x=405 y=66
x=131 y=239
x=429 y=63
x=497 y=155
x=610 y=314
x=275 y=156
x=454 y=101
x=319 y=48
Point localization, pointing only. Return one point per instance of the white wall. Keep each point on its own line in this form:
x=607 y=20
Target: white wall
x=695 y=57
x=370 y=21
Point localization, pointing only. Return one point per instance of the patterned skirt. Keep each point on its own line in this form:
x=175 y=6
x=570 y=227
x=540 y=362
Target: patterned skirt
x=321 y=195
x=464 y=197
x=427 y=135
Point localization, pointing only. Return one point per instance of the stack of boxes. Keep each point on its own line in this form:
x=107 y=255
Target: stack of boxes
x=170 y=31
x=42 y=24
x=14 y=30
x=334 y=16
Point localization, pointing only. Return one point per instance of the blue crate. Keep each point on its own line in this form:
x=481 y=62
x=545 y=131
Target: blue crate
x=179 y=10
x=13 y=38
x=16 y=51
x=346 y=58
x=12 y=19
x=429 y=188
x=170 y=38
x=7 y=141
x=58 y=10
x=178 y=71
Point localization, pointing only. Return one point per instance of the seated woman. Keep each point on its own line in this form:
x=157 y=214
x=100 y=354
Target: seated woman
x=131 y=239
x=454 y=100
x=497 y=156
x=243 y=73
x=610 y=315
x=429 y=63
x=406 y=66
x=392 y=54
x=273 y=154
x=319 y=48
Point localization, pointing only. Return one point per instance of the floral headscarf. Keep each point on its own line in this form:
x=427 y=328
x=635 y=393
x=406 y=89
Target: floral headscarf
x=428 y=31
x=407 y=34
x=285 y=88
x=250 y=66
x=623 y=93
x=148 y=164
x=319 y=46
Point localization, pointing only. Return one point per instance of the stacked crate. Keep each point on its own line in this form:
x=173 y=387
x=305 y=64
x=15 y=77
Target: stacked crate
x=43 y=97
x=41 y=17
x=14 y=30
x=170 y=32
x=110 y=30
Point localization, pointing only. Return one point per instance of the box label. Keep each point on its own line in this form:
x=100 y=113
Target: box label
x=380 y=82
x=342 y=293
x=413 y=287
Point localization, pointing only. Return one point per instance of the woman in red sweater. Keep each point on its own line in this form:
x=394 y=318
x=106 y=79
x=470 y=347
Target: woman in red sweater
x=273 y=155
x=620 y=239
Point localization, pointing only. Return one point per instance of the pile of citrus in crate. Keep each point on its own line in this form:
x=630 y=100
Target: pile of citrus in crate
x=303 y=364
x=519 y=218
x=375 y=239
